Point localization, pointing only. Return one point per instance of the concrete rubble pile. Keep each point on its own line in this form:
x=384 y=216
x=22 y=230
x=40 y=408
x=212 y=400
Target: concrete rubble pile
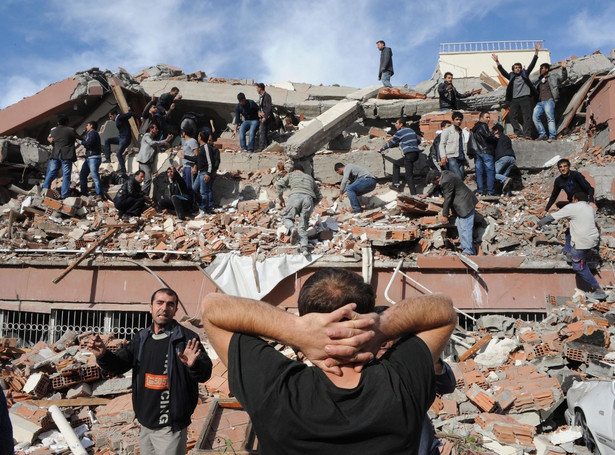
x=512 y=377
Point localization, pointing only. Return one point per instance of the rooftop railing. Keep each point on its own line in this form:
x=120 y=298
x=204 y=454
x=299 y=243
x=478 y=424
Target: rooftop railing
x=489 y=46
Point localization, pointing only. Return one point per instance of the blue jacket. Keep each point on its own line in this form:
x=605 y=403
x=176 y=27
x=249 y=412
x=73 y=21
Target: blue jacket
x=121 y=121
x=92 y=144
x=249 y=112
x=183 y=381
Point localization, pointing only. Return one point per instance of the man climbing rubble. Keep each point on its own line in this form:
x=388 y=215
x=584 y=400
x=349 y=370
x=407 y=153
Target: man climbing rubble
x=408 y=141
x=584 y=237
x=341 y=405
x=304 y=195
x=356 y=181
x=63 y=154
x=167 y=363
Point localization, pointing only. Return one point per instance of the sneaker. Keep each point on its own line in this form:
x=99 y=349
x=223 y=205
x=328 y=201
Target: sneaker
x=598 y=294
x=551 y=139
x=506 y=185
x=305 y=251
x=294 y=236
x=201 y=214
x=395 y=187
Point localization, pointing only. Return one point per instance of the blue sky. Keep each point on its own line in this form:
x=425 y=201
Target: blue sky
x=328 y=42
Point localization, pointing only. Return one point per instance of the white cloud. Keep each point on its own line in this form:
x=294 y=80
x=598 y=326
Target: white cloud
x=593 y=29
x=15 y=88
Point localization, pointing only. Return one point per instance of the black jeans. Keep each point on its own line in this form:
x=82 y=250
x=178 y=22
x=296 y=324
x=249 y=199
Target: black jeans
x=524 y=107
x=176 y=205
x=130 y=205
x=408 y=162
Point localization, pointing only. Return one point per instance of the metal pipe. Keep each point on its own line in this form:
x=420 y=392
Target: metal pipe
x=60 y=251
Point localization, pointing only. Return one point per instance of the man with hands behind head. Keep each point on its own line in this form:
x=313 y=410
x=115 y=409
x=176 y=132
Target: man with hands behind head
x=347 y=403
x=167 y=364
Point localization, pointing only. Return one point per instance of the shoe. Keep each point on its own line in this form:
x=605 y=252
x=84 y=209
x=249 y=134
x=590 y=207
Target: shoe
x=105 y=161
x=598 y=294
x=294 y=236
x=395 y=187
x=201 y=214
x=551 y=139
x=541 y=138
x=305 y=251
x=506 y=185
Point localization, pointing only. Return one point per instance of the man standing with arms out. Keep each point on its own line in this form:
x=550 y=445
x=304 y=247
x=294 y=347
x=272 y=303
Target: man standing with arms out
x=265 y=113
x=484 y=159
x=519 y=94
x=93 y=158
x=124 y=139
x=356 y=181
x=249 y=110
x=324 y=409
x=63 y=154
x=167 y=364
x=584 y=236
x=449 y=94
x=147 y=153
x=386 y=64
x=504 y=158
x=303 y=197
x=461 y=199
x=453 y=147
x=547 y=87
x=409 y=142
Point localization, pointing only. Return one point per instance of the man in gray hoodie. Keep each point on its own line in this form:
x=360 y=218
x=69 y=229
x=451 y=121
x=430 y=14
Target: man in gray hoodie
x=386 y=64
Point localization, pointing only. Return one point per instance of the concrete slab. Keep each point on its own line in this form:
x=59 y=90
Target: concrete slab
x=322 y=129
x=602 y=178
x=583 y=67
x=364 y=93
x=534 y=154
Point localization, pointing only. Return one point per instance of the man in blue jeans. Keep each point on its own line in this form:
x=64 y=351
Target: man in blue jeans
x=485 y=164
x=584 y=236
x=386 y=64
x=63 y=154
x=454 y=147
x=93 y=158
x=249 y=110
x=123 y=140
x=459 y=198
x=547 y=87
x=356 y=181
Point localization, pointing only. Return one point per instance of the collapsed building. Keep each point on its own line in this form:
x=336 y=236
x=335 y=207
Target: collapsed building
x=69 y=267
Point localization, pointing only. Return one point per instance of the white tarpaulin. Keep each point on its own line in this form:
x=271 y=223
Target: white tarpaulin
x=241 y=276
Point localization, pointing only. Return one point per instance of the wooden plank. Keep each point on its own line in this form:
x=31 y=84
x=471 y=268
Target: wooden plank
x=124 y=107
x=69 y=402
x=87 y=252
x=574 y=105
x=474 y=349
x=491 y=82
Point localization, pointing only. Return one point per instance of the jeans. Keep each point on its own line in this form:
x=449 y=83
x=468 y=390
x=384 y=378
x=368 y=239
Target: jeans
x=385 y=77
x=408 y=161
x=53 y=166
x=503 y=166
x=122 y=144
x=465 y=227
x=147 y=182
x=203 y=191
x=484 y=162
x=91 y=166
x=548 y=108
x=358 y=188
x=579 y=265
x=523 y=106
x=302 y=205
x=253 y=125
x=457 y=167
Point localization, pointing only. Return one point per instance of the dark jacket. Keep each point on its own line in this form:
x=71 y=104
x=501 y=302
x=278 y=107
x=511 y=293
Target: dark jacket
x=64 y=143
x=434 y=153
x=448 y=98
x=504 y=147
x=164 y=103
x=130 y=188
x=265 y=104
x=92 y=144
x=183 y=380
x=485 y=139
x=572 y=183
x=249 y=112
x=386 y=61
x=121 y=121
x=456 y=195
x=524 y=74
x=554 y=82
x=175 y=187
x=208 y=159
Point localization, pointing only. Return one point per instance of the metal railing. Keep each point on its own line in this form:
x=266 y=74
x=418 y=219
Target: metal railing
x=489 y=46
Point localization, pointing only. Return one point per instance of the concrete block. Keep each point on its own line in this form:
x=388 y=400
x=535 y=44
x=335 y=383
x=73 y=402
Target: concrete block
x=81 y=390
x=583 y=67
x=310 y=109
x=111 y=386
x=230 y=162
x=602 y=178
x=322 y=129
x=364 y=93
x=533 y=155
x=417 y=108
x=368 y=109
x=389 y=109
